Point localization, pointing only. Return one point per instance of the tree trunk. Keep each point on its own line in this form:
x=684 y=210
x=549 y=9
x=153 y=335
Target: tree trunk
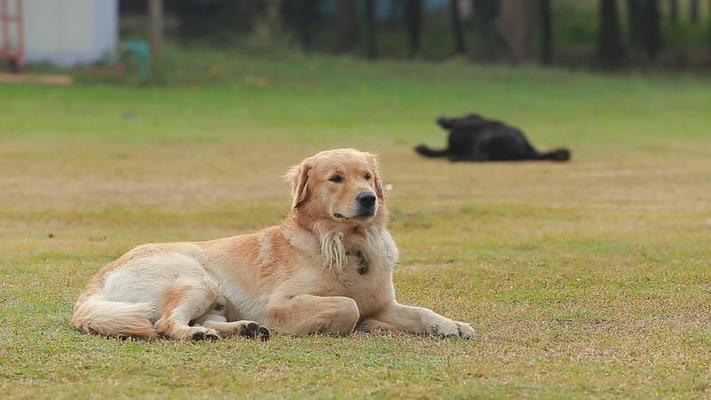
x=546 y=32
x=155 y=29
x=485 y=14
x=370 y=27
x=674 y=11
x=349 y=25
x=304 y=20
x=457 y=29
x=268 y=22
x=710 y=24
x=694 y=11
x=609 y=49
x=413 y=20
x=516 y=24
x=394 y=12
x=652 y=29
x=635 y=20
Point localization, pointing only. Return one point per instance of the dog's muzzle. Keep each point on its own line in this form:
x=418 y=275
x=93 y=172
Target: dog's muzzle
x=367 y=204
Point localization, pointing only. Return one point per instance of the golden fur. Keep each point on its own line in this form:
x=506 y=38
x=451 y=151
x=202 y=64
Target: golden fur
x=327 y=268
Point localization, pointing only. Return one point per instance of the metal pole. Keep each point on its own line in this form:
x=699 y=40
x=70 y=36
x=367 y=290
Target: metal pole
x=20 y=32
x=5 y=18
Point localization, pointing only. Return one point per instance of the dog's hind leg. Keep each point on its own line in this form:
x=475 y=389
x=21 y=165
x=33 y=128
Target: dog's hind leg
x=248 y=329
x=429 y=152
x=182 y=304
x=215 y=319
x=561 y=154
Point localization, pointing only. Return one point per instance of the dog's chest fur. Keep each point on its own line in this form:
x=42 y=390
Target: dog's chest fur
x=367 y=275
x=355 y=266
x=289 y=261
x=361 y=260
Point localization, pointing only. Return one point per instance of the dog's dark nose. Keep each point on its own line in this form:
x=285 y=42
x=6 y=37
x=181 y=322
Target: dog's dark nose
x=366 y=198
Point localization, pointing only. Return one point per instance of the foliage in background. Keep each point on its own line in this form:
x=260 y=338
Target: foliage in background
x=340 y=26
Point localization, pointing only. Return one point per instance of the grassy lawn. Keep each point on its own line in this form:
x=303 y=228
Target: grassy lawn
x=585 y=279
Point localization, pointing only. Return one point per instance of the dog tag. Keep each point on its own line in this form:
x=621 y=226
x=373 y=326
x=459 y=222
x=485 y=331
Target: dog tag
x=362 y=261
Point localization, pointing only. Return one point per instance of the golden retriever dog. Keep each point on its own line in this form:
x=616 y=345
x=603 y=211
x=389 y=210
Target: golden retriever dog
x=327 y=268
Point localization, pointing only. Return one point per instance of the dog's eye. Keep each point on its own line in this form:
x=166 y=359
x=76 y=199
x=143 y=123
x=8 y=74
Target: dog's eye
x=336 y=179
x=367 y=177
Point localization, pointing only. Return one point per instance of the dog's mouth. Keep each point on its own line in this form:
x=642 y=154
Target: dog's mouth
x=360 y=216
x=366 y=214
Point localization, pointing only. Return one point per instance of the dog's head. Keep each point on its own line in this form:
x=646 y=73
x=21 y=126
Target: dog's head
x=460 y=122
x=341 y=186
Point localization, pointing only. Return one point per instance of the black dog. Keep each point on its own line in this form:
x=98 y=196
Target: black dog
x=474 y=138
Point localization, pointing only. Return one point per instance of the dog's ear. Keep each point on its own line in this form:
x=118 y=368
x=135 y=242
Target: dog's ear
x=298 y=176
x=373 y=161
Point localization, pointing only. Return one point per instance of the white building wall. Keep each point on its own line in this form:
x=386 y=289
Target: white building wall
x=69 y=32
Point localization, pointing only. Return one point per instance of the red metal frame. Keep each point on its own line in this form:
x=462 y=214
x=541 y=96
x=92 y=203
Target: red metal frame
x=14 y=56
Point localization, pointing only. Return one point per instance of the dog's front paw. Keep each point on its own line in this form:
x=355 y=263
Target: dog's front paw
x=448 y=328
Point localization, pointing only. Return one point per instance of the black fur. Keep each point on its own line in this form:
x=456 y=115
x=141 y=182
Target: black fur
x=204 y=336
x=475 y=138
x=255 y=331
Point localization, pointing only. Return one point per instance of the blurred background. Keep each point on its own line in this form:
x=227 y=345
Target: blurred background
x=608 y=34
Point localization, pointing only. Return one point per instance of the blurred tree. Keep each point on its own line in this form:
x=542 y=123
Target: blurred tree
x=609 y=51
x=652 y=29
x=694 y=11
x=267 y=25
x=635 y=21
x=709 y=22
x=516 y=24
x=674 y=11
x=457 y=29
x=546 y=32
x=216 y=20
x=485 y=10
x=370 y=30
x=394 y=12
x=499 y=27
x=413 y=20
x=348 y=17
x=155 y=29
x=485 y=13
x=302 y=16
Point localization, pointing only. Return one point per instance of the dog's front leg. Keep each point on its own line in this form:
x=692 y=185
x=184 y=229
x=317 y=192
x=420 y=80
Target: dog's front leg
x=417 y=320
x=306 y=314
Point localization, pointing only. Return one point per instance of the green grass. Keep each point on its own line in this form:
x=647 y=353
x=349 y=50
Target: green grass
x=586 y=279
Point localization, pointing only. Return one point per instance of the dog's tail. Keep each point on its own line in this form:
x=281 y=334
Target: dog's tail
x=561 y=154
x=94 y=314
x=428 y=152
